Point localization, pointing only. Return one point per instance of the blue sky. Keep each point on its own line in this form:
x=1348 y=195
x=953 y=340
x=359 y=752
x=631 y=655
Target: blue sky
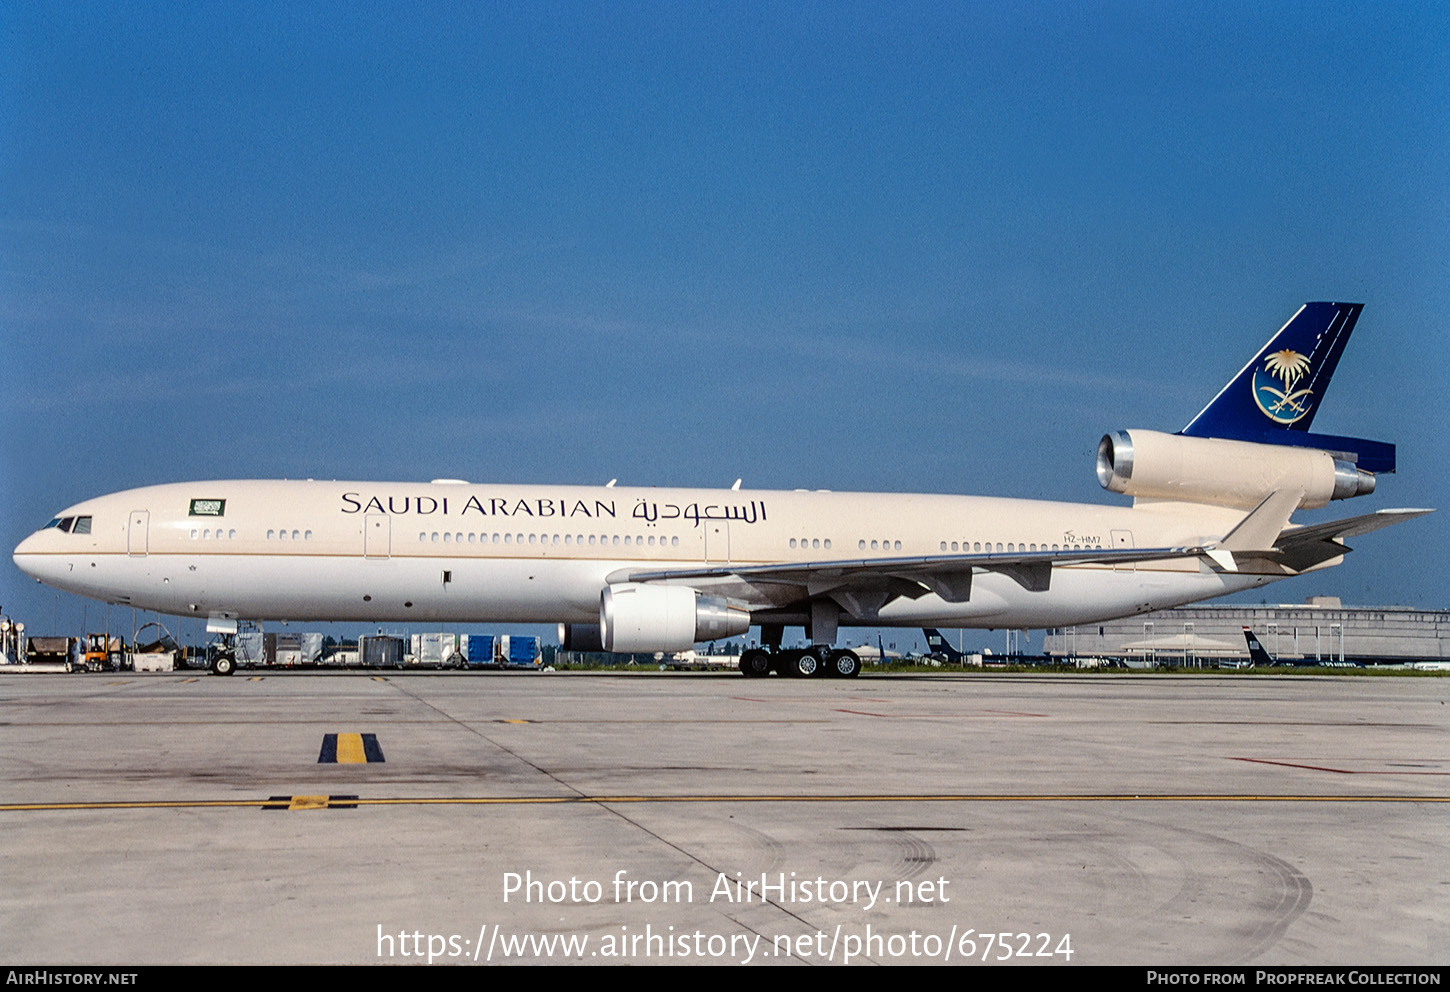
x=901 y=247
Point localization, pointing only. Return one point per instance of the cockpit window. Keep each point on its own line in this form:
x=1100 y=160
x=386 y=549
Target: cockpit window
x=83 y=526
x=53 y=523
x=70 y=525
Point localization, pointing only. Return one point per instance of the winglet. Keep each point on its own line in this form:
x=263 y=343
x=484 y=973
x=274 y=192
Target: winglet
x=1264 y=523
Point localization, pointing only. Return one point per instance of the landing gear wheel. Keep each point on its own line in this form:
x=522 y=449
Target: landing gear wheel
x=845 y=665
x=806 y=664
x=755 y=663
x=223 y=665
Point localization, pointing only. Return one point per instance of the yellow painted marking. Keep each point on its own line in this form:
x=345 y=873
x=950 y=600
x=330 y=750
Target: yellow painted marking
x=350 y=750
x=256 y=678
x=378 y=678
x=319 y=802
x=184 y=681
x=308 y=802
x=516 y=721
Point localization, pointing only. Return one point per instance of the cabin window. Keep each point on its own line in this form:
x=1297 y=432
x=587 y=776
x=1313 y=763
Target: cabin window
x=792 y=542
x=231 y=535
x=828 y=542
x=860 y=545
x=898 y=545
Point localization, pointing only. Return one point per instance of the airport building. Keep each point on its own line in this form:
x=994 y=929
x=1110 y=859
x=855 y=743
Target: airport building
x=1320 y=631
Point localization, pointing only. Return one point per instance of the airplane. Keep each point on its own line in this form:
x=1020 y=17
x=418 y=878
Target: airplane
x=939 y=646
x=650 y=569
x=1259 y=656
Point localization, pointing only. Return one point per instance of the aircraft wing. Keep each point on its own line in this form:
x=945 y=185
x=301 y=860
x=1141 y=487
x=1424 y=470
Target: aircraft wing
x=863 y=586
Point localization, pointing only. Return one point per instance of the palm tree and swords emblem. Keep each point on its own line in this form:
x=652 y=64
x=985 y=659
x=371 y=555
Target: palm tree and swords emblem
x=1286 y=405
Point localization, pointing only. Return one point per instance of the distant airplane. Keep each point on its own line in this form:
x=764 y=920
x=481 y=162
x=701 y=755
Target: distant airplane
x=647 y=569
x=939 y=645
x=1258 y=656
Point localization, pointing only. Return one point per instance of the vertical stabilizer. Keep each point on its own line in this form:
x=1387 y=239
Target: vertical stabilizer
x=1258 y=656
x=1275 y=397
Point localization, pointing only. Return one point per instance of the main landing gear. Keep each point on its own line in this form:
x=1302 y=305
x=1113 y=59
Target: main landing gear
x=817 y=660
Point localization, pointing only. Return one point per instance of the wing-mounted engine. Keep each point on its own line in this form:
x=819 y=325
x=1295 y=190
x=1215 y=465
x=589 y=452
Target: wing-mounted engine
x=637 y=616
x=1151 y=465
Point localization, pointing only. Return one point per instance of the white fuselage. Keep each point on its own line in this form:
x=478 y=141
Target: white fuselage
x=285 y=550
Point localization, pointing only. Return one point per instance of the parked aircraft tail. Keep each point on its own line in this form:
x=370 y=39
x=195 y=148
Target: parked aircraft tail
x=1274 y=398
x=937 y=644
x=1258 y=656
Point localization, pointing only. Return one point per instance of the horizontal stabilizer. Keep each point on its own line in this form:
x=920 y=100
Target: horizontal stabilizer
x=1301 y=548
x=1335 y=530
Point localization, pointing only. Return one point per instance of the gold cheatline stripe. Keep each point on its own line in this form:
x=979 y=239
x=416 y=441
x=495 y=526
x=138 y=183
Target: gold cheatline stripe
x=525 y=800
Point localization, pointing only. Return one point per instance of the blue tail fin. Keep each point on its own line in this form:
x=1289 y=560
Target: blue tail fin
x=1274 y=398
x=937 y=644
x=1258 y=656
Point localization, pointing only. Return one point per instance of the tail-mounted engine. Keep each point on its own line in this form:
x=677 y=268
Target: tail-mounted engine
x=1152 y=465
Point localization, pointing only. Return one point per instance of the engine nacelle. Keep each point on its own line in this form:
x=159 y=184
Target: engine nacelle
x=580 y=637
x=635 y=616
x=1154 y=465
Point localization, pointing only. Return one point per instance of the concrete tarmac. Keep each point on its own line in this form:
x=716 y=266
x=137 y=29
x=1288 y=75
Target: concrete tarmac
x=689 y=818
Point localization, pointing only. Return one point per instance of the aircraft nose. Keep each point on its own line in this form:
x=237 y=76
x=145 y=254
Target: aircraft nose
x=27 y=557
